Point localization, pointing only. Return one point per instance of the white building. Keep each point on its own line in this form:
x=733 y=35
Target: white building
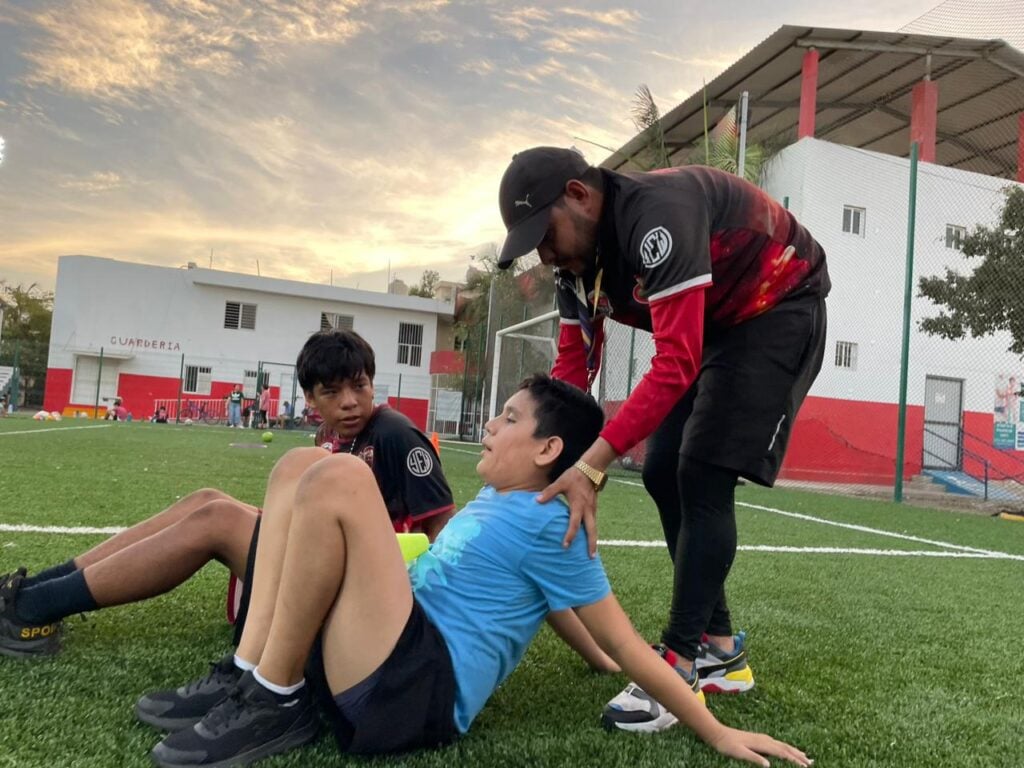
x=855 y=203
x=151 y=334
x=848 y=105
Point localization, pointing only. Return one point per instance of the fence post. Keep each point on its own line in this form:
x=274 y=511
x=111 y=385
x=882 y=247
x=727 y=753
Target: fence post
x=908 y=285
x=99 y=379
x=181 y=383
x=632 y=349
x=16 y=377
x=295 y=384
x=986 y=480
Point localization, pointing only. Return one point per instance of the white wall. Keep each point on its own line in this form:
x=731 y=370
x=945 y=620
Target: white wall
x=110 y=304
x=866 y=303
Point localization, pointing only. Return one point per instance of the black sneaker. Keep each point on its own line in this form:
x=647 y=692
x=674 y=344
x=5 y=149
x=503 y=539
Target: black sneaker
x=18 y=638
x=6 y=578
x=252 y=723
x=179 y=708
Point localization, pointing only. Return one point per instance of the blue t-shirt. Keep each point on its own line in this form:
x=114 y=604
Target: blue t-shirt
x=489 y=580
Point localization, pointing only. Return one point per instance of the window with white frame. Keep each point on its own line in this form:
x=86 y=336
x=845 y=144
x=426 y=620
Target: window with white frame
x=846 y=355
x=239 y=316
x=410 y=344
x=332 y=320
x=197 y=380
x=854 y=220
x=955 y=236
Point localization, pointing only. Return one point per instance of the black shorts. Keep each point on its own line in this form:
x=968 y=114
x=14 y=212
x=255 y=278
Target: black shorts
x=411 y=704
x=250 y=564
x=753 y=378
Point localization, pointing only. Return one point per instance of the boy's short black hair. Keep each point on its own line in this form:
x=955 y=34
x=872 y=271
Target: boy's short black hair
x=330 y=357
x=564 y=411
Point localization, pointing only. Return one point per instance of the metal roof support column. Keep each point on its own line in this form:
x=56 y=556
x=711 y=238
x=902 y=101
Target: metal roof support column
x=1020 y=147
x=808 y=94
x=924 y=112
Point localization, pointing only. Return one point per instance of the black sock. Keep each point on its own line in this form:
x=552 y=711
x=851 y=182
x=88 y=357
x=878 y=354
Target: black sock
x=50 y=573
x=54 y=599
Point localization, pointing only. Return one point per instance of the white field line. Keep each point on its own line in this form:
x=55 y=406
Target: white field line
x=52 y=429
x=866 y=529
x=459 y=450
x=960 y=551
x=54 y=529
x=8 y=528
x=973 y=552
x=824 y=550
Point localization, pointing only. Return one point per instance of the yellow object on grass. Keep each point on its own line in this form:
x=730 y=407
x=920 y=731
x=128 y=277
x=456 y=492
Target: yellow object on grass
x=413 y=545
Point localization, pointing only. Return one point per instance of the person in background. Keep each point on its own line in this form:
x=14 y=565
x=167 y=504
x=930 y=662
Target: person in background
x=235 y=407
x=284 y=416
x=264 y=411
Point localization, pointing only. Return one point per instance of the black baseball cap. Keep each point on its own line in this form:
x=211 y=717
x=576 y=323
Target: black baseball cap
x=533 y=181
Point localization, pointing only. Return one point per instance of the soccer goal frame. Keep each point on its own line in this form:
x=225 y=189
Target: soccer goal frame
x=517 y=331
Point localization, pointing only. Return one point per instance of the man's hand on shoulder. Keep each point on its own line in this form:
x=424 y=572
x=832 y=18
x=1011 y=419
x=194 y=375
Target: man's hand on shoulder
x=581 y=495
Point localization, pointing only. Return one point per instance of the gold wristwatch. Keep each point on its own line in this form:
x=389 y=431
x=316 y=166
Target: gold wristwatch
x=596 y=476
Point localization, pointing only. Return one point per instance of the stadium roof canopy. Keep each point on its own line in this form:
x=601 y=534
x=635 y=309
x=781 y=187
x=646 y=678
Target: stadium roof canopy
x=864 y=96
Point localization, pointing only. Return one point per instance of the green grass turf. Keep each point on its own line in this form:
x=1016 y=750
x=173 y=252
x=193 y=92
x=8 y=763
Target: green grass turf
x=861 y=660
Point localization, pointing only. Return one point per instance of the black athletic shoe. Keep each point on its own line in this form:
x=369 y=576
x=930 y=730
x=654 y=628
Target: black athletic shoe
x=6 y=578
x=18 y=638
x=252 y=723
x=179 y=708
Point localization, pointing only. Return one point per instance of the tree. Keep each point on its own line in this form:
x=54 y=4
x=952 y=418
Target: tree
x=720 y=147
x=427 y=286
x=26 y=328
x=991 y=298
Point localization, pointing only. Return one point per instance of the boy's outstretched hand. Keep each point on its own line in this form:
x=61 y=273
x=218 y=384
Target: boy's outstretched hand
x=752 y=747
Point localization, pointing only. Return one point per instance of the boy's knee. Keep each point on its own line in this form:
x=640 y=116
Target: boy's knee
x=219 y=515
x=337 y=475
x=295 y=462
x=206 y=495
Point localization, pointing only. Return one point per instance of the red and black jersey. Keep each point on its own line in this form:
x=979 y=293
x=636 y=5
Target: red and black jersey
x=680 y=249
x=403 y=461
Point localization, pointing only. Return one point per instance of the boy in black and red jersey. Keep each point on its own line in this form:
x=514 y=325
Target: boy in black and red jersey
x=733 y=290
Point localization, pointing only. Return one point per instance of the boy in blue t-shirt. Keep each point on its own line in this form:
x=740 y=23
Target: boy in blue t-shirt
x=410 y=656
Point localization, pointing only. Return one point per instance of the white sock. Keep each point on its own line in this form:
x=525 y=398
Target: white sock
x=242 y=664
x=280 y=690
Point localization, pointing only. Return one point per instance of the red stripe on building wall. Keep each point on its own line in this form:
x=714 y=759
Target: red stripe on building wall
x=415 y=410
x=58 y=389
x=850 y=441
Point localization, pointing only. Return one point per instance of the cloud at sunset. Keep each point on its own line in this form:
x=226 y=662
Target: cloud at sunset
x=322 y=137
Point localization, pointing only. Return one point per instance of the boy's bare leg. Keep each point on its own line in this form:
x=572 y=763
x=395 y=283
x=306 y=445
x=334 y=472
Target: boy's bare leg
x=158 y=522
x=140 y=568
x=342 y=563
x=270 y=549
x=218 y=530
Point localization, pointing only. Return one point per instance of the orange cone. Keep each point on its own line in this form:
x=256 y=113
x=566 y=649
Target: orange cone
x=436 y=442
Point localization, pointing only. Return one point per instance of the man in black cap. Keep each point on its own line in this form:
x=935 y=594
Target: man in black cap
x=733 y=290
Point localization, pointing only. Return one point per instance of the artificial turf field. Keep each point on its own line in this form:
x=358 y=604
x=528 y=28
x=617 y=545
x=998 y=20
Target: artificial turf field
x=864 y=655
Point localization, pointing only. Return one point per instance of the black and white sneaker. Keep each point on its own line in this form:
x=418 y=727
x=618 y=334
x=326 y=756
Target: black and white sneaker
x=634 y=710
x=250 y=724
x=18 y=638
x=178 y=708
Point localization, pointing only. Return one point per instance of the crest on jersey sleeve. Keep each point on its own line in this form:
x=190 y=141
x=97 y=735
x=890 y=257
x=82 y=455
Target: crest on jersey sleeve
x=655 y=247
x=419 y=462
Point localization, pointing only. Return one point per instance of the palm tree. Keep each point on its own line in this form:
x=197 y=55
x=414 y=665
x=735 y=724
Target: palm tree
x=719 y=149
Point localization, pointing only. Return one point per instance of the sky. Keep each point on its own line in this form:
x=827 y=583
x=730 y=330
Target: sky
x=329 y=140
